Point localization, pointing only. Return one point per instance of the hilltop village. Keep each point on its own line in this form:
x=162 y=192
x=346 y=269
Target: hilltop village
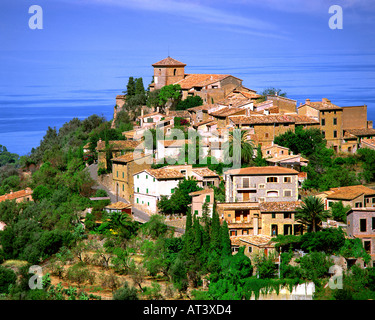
x=156 y=204
x=260 y=202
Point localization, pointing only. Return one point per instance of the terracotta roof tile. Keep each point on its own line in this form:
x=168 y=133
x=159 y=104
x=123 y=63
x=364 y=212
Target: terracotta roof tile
x=200 y=80
x=165 y=173
x=227 y=111
x=279 y=206
x=265 y=119
x=205 y=172
x=199 y=192
x=361 y=132
x=169 y=62
x=129 y=157
x=16 y=195
x=350 y=192
x=261 y=171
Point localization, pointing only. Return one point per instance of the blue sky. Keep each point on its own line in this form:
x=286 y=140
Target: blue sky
x=88 y=48
x=186 y=26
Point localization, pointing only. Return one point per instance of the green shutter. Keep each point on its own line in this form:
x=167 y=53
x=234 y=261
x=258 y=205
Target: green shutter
x=208 y=199
x=146 y=190
x=196 y=212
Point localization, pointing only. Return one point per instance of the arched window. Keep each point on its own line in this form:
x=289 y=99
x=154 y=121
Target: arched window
x=174 y=71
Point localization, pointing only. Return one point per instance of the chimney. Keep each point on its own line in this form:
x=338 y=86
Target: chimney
x=307 y=102
x=157 y=109
x=142 y=112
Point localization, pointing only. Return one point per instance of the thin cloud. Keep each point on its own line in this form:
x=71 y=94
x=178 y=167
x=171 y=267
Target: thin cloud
x=197 y=12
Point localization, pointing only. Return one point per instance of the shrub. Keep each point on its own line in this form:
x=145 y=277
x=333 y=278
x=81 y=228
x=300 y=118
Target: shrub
x=126 y=293
x=7 y=277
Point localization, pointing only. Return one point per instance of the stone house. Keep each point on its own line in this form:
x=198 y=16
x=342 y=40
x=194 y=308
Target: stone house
x=361 y=224
x=355 y=196
x=279 y=218
x=123 y=169
x=330 y=117
x=274 y=150
x=264 y=128
x=18 y=196
x=261 y=184
x=198 y=200
x=117 y=147
x=210 y=87
x=151 y=184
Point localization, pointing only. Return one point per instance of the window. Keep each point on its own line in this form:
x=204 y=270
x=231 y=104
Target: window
x=117 y=174
x=137 y=176
x=288 y=229
x=274 y=230
x=362 y=225
x=123 y=187
x=272 y=179
x=123 y=175
x=146 y=190
x=137 y=189
x=273 y=215
x=261 y=199
x=323 y=134
x=266 y=135
x=358 y=204
x=208 y=199
x=245 y=182
x=287 y=215
x=261 y=186
x=373 y=223
x=174 y=71
x=334 y=121
x=172 y=190
x=287 y=179
x=137 y=200
x=287 y=193
x=272 y=193
x=367 y=246
x=146 y=176
x=335 y=133
x=148 y=203
x=323 y=122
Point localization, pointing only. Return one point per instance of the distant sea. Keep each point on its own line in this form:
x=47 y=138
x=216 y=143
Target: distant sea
x=49 y=88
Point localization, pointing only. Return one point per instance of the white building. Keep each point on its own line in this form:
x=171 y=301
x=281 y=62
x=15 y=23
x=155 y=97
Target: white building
x=151 y=184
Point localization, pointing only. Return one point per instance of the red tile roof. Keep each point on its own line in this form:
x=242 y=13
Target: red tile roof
x=168 y=62
x=16 y=195
x=269 y=170
x=200 y=80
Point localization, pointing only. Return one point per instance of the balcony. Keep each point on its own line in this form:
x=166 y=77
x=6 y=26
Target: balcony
x=244 y=198
x=246 y=186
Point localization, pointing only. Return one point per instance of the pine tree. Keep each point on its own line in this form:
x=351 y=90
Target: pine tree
x=189 y=241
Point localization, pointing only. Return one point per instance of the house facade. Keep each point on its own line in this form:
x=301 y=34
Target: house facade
x=123 y=169
x=151 y=184
x=361 y=224
x=198 y=200
x=18 y=196
x=261 y=184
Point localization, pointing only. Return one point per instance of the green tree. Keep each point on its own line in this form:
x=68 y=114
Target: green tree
x=239 y=140
x=130 y=87
x=339 y=211
x=311 y=212
x=139 y=88
x=171 y=93
x=189 y=102
x=126 y=293
x=7 y=278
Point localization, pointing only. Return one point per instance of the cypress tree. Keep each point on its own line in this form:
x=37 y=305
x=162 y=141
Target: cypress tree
x=189 y=243
x=130 y=87
x=225 y=240
x=139 y=88
x=197 y=235
x=215 y=232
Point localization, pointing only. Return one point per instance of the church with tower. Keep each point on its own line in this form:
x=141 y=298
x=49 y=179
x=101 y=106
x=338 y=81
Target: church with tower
x=210 y=87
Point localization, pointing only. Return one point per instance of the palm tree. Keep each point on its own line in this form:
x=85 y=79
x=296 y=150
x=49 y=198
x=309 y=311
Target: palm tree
x=312 y=212
x=239 y=139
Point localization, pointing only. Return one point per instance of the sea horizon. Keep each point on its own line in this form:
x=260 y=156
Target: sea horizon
x=47 y=91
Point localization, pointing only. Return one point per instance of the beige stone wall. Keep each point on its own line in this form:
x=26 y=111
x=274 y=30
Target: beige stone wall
x=123 y=182
x=354 y=117
x=266 y=133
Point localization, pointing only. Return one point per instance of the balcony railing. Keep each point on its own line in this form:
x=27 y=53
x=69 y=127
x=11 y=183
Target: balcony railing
x=242 y=185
